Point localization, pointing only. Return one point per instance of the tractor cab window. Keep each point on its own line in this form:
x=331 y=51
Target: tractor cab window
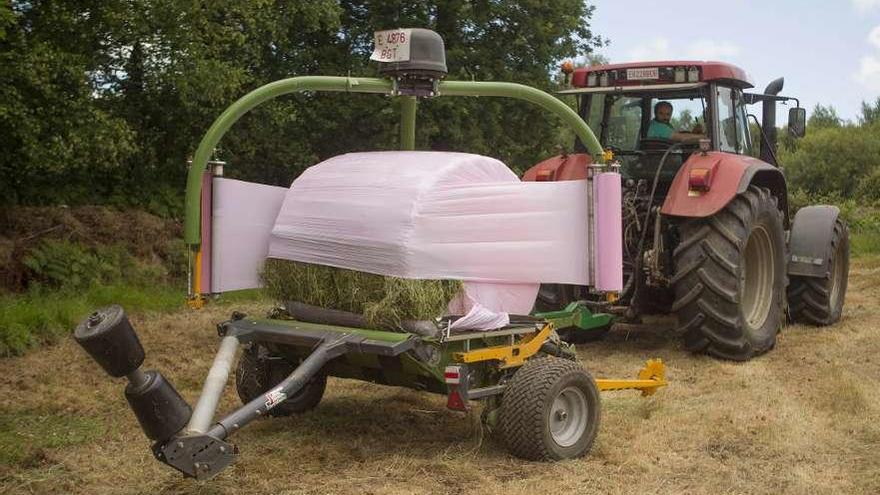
x=618 y=120
x=688 y=113
x=743 y=137
x=733 y=128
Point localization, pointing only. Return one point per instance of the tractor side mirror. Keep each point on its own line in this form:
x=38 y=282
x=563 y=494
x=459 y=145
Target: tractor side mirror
x=797 y=122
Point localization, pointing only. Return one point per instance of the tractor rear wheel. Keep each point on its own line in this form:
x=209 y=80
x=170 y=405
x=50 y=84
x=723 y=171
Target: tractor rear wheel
x=819 y=301
x=549 y=410
x=730 y=278
x=258 y=371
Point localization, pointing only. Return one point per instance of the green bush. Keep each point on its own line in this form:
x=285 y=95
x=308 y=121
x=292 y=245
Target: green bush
x=869 y=187
x=41 y=316
x=833 y=160
x=863 y=220
x=67 y=280
x=66 y=265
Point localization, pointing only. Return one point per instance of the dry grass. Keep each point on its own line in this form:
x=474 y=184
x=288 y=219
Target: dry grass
x=798 y=420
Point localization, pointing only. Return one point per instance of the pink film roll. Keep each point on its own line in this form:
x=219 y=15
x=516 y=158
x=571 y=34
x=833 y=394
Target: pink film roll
x=608 y=237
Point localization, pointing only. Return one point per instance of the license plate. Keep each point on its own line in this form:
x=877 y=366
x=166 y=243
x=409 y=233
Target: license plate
x=392 y=45
x=642 y=74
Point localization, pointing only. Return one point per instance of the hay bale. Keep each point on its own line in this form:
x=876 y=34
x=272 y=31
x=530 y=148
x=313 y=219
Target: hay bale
x=385 y=302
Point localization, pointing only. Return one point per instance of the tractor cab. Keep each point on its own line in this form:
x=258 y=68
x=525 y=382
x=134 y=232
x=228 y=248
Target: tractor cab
x=648 y=113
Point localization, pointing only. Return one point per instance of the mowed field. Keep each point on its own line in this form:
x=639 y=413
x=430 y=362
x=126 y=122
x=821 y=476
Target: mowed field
x=805 y=418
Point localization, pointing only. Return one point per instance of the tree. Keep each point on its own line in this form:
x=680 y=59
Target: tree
x=833 y=160
x=106 y=100
x=823 y=117
x=870 y=112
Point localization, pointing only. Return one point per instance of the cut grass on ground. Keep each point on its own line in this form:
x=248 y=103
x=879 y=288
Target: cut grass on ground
x=800 y=419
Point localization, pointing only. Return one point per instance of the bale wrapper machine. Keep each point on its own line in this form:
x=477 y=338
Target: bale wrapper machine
x=536 y=395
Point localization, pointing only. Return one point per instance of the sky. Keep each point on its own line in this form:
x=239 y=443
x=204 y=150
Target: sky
x=828 y=51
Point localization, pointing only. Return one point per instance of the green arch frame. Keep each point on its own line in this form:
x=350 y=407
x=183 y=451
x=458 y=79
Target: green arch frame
x=224 y=122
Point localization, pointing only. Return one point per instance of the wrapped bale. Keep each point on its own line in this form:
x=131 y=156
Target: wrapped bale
x=420 y=220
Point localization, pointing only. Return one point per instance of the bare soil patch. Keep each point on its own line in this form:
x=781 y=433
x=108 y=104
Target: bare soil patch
x=801 y=419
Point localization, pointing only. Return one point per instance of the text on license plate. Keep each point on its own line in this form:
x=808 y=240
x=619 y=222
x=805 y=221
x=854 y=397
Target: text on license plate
x=641 y=74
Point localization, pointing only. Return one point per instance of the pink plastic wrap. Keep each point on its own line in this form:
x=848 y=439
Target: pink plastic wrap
x=430 y=215
x=608 y=235
x=243 y=215
x=207 y=229
x=425 y=215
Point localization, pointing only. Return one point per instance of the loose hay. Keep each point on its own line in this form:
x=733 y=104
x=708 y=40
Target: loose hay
x=385 y=302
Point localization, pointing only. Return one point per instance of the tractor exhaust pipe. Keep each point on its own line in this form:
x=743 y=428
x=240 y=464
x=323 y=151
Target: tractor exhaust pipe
x=768 y=121
x=108 y=337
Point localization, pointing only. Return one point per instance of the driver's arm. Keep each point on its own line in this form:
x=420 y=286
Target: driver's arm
x=687 y=137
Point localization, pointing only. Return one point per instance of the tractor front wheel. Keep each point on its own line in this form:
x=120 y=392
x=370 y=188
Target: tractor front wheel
x=730 y=278
x=550 y=410
x=819 y=300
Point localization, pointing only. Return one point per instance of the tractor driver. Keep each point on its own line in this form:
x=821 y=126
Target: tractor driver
x=660 y=127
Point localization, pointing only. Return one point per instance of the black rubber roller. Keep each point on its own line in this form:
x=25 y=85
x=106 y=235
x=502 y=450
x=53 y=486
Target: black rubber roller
x=109 y=338
x=160 y=410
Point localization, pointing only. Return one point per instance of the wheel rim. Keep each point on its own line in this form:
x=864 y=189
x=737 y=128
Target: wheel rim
x=756 y=289
x=568 y=416
x=837 y=274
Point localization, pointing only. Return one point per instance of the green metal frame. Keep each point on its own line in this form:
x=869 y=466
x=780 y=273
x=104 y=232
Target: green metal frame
x=576 y=315
x=407 y=369
x=224 y=122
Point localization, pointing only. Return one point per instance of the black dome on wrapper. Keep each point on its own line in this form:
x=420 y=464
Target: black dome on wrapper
x=427 y=57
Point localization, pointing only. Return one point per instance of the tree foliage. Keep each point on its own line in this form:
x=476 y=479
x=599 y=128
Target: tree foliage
x=823 y=117
x=104 y=101
x=870 y=112
x=834 y=159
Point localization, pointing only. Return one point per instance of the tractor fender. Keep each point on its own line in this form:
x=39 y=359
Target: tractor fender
x=729 y=175
x=560 y=167
x=810 y=240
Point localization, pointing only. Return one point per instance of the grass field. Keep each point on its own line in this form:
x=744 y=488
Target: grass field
x=801 y=419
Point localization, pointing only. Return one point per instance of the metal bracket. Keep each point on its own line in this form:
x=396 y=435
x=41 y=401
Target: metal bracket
x=651 y=377
x=198 y=456
x=509 y=355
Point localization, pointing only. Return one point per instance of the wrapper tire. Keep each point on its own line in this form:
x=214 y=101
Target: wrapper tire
x=109 y=338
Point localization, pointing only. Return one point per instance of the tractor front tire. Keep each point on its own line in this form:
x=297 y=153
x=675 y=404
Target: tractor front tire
x=549 y=410
x=258 y=371
x=819 y=301
x=730 y=278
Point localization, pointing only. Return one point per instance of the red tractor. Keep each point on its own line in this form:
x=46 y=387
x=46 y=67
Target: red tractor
x=707 y=230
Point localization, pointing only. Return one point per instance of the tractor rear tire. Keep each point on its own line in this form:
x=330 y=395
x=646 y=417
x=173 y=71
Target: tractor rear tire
x=730 y=278
x=550 y=410
x=819 y=301
x=258 y=371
